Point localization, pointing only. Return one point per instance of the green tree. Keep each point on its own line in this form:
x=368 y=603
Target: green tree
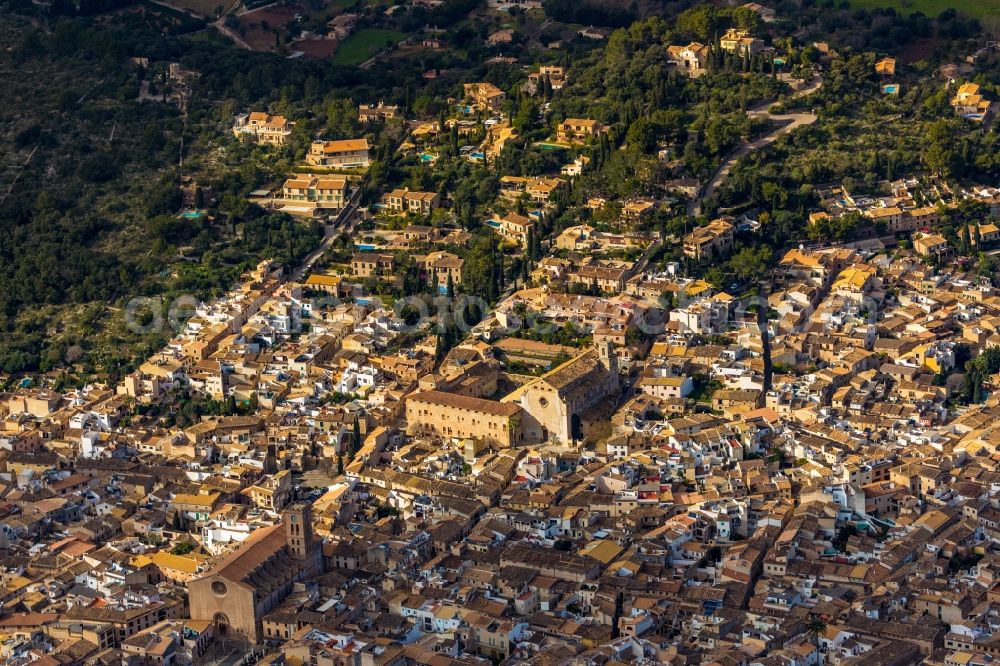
x=815 y=629
x=356 y=437
x=751 y=263
x=939 y=152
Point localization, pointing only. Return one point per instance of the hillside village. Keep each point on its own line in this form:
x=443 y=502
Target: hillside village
x=540 y=370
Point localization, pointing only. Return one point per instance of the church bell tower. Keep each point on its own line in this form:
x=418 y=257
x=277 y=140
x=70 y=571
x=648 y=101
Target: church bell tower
x=298 y=530
x=609 y=359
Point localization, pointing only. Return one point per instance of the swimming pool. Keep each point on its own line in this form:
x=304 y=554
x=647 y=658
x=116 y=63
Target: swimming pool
x=544 y=145
x=367 y=247
x=493 y=223
x=427 y=157
x=193 y=215
x=478 y=155
x=890 y=89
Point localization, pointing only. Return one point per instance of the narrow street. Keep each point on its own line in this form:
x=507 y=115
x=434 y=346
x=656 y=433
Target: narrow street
x=343 y=222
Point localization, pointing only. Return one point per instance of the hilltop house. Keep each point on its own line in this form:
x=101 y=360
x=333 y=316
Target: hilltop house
x=311 y=193
x=404 y=200
x=264 y=128
x=590 y=32
x=371 y=264
x=507 y=4
x=969 y=102
x=555 y=74
x=766 y=14
x=715 y=239
x=578 y=130
x=576 y=167
x=637 y=210
x=609 y=279
x=439 y=266
x=368 y=113
x=516 y=228
x=484 y=96
x=539 y=190
x=345 y=154
x=740 y=42
x=690 y=59
x=930 y=245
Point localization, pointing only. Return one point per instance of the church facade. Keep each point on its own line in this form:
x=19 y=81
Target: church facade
x=559 y=405
x=252 y=580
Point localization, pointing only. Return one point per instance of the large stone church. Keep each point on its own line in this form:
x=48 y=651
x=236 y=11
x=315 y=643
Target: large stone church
x=250 y=581
x=563 y=402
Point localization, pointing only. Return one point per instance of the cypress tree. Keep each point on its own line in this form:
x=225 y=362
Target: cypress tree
x=355 y=437
x=271 y=460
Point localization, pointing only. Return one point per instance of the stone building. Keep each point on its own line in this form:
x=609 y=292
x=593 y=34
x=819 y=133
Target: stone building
x=562 y=403
x=453 y=415
x=253 y=579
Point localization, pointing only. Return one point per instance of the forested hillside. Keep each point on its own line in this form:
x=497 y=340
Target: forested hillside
x=89 y=190
x=89 y=172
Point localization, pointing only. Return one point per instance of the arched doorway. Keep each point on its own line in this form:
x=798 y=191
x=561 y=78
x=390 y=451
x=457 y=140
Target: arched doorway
x=576 y=427
x=221 y=625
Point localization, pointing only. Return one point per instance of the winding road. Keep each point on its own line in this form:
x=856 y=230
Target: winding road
x=787 y=122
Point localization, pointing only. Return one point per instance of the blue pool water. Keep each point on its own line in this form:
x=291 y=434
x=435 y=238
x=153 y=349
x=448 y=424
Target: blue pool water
x=367 y=247
x=427 y=157
x=493 y=223
x=192 y=215
x=890 y=89
x=478 y=155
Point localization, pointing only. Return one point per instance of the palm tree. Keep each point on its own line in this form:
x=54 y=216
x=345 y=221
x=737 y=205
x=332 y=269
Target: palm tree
x=815 y=628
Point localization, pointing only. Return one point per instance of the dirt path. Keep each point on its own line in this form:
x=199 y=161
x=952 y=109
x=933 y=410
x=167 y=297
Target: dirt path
x=787 y=122
x=221 y=26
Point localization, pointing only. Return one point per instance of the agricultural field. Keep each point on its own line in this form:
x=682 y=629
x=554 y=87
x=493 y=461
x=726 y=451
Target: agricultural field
x=320 y=49
x=260 y=27
x=271 y=17
x=981 y=9
x=364 y=44
x=207 y=8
